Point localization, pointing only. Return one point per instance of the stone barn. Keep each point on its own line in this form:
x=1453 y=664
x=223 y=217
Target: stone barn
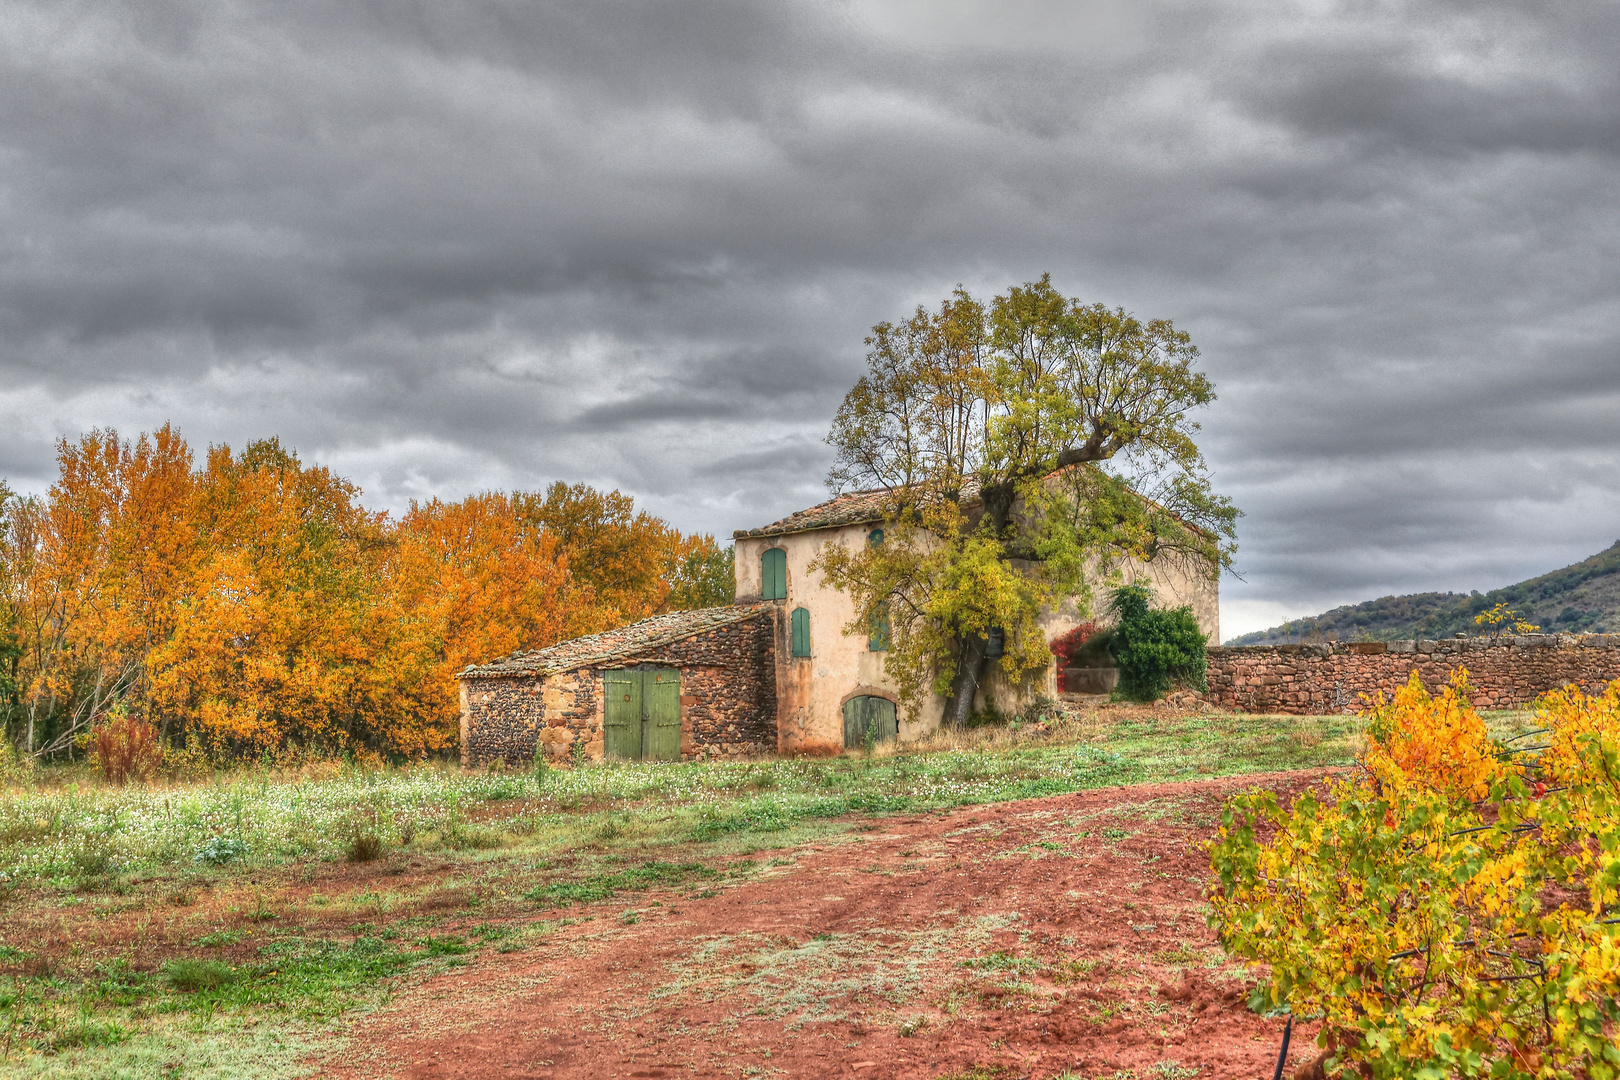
x=679 y=686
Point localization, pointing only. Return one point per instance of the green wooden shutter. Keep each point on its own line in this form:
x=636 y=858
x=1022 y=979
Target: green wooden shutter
x=661 y=700
x=885 y=725
x=801 y=632
x=877 y=631
x=869 y=720
x=773 y=574
x=875 y=537
x=621 y=714
x=854 y=722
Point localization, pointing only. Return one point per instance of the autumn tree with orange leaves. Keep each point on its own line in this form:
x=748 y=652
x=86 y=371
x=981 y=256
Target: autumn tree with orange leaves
x=252 y=603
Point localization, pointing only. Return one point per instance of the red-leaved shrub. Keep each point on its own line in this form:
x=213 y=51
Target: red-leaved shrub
x=1068 y=645
x=127 y=749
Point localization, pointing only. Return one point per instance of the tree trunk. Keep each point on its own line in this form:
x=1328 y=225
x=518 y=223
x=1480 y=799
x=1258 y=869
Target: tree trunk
x=965 y=683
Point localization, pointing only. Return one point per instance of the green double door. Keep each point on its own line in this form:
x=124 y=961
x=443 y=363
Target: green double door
x=642 y=714
x=869 y=720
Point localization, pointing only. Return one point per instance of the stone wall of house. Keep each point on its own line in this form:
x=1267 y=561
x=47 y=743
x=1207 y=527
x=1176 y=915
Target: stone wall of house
x=1331 y=677
x=728 y=702
x=510 y=718
x=728 y=688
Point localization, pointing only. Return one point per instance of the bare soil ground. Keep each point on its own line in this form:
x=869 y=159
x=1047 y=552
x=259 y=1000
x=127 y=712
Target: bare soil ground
x=1043 y=938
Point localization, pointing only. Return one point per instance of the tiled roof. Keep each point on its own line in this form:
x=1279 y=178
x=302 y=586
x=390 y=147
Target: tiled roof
x=610 y=646
x=850 y=509
x=858 y=507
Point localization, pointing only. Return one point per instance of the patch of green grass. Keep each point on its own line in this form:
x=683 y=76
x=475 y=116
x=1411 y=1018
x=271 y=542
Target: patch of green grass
x=190 y=976
x=239 y=823
x=605 y=886
x=448 y=945
x=85 y=1034
x=1000 y=961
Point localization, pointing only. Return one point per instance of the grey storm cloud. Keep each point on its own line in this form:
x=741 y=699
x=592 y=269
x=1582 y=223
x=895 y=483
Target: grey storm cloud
x=462 y=246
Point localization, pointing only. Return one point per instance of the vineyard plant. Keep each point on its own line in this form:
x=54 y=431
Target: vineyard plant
x=1451 y=908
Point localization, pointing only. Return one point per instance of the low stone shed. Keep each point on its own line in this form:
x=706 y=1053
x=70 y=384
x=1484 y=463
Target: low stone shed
x=683 y=685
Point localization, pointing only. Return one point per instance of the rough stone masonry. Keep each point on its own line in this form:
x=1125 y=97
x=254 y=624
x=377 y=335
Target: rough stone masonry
x=1331 y=677
x=513 y=713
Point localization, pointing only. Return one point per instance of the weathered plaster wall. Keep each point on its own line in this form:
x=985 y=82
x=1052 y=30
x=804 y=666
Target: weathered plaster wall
x=813 y=689
x=1331 y=677
x=728 y=702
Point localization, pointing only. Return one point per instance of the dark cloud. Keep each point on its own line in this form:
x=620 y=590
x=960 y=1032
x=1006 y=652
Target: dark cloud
x=473 y=245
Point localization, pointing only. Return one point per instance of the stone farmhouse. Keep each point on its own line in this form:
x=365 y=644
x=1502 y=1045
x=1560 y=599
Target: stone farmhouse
x=772 y=673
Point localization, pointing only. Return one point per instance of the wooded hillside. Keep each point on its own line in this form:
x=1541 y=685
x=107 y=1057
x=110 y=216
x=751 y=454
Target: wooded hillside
x=249 y=602
x=1581 y=598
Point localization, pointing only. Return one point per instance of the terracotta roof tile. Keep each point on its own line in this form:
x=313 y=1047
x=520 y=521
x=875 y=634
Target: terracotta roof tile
x=849 y=509
x=614 y=646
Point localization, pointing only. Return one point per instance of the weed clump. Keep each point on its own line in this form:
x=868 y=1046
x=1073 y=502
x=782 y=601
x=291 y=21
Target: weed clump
x=190 y=976
x=220 y=850
x=364 y=846
x=127 y=748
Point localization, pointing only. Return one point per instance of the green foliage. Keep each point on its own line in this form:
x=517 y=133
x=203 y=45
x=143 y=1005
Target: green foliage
x=445 y=945
x=220 y=850
x=1155 y=649
x=701 y=578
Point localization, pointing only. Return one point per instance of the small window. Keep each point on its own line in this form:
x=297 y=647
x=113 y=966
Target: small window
x=874 y=538
x=995 y=643
x=773 y=574
x=877 y=630
x=801 y=632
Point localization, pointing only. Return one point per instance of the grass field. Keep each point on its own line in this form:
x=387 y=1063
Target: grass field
x=226 y=927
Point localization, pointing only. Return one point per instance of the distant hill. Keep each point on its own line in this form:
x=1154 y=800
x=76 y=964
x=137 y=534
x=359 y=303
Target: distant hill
x=1580 y=599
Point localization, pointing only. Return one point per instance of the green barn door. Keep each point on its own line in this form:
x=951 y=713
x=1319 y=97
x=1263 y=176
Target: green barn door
x=621 y=714
x=642 y=714
x=661 y=705
x=868 y=721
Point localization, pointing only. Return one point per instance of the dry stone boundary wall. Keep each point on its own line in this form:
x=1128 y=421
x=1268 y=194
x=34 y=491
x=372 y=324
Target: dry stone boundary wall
x=1331 y=677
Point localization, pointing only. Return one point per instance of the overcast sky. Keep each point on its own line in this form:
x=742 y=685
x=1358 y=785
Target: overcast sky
x=445 y=247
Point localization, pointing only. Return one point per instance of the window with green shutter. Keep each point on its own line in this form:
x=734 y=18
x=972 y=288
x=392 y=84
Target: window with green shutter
x=773 y=574
x=877 y=630
x=875 y=537
x=801 y=632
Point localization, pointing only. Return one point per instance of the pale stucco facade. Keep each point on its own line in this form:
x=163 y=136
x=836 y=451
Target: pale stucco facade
x=812 y=690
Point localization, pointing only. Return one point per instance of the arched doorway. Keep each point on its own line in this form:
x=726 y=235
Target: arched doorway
x=869 y=720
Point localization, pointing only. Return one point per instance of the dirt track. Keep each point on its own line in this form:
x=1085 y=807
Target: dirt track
x=1034 y=937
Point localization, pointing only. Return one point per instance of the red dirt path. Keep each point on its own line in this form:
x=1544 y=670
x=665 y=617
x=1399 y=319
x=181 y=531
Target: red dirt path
x=1033 y=937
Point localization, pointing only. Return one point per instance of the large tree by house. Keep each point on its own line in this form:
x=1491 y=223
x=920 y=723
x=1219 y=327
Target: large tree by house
x=1029 y=447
